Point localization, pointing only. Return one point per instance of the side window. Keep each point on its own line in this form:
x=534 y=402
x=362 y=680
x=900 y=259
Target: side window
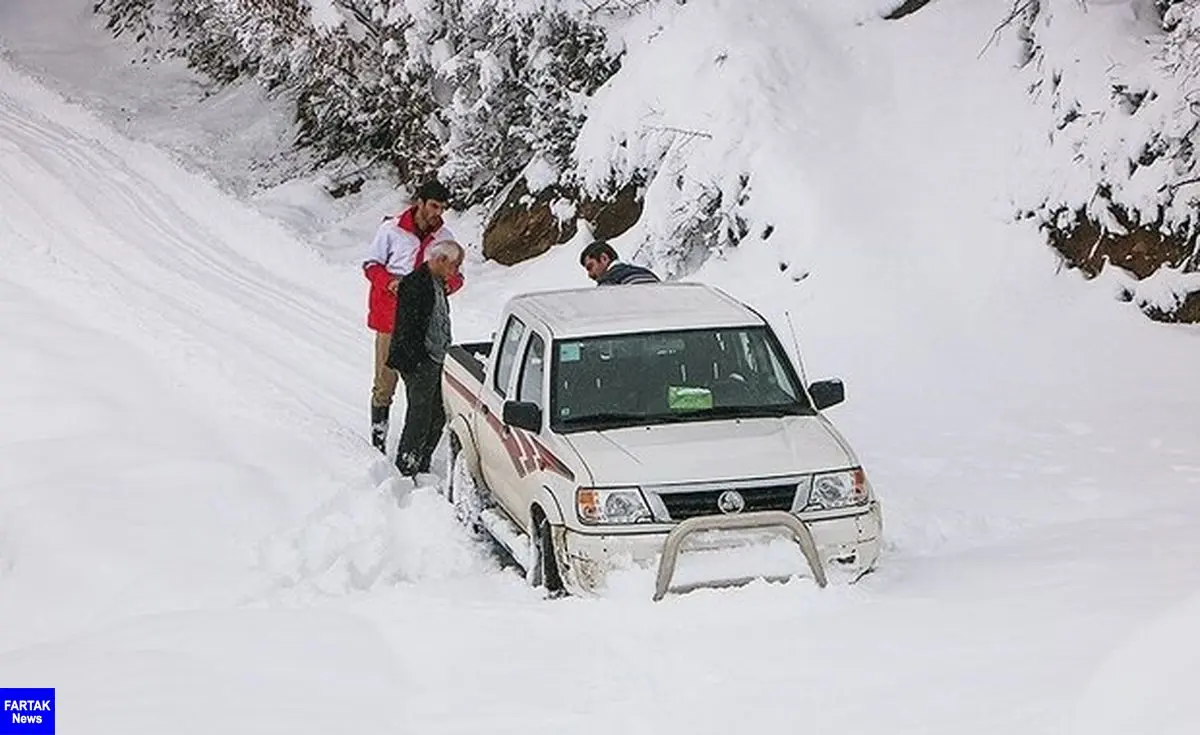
x=513 y=332
x=533 y=371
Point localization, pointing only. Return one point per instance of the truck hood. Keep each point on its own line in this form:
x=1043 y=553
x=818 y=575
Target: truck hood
x=707 y=451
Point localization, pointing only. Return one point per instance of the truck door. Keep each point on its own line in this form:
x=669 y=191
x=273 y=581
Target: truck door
x=499 y=458
x=531 y=381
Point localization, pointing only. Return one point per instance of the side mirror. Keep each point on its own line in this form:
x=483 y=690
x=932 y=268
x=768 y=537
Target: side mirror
x=826 y=393
x=523 y=415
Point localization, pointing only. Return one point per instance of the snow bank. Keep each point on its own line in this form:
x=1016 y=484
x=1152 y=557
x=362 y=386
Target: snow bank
x=356 y=542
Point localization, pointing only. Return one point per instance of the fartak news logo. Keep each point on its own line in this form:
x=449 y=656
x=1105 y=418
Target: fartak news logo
x=26 y=712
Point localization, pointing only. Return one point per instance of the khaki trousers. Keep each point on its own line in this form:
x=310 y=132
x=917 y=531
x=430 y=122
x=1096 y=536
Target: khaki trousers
x=384 y=386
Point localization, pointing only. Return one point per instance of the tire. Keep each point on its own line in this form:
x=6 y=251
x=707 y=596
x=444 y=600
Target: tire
x=446 y=486
x=544 y=571
x=461 y=490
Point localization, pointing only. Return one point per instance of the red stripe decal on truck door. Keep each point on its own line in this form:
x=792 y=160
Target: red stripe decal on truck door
x=527 y=453
x=550 y=463
x=461 y=388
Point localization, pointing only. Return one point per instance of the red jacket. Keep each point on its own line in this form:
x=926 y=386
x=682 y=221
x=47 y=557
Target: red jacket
x=398 y=248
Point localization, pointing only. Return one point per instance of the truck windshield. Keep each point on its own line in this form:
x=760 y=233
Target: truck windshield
x=667 y=377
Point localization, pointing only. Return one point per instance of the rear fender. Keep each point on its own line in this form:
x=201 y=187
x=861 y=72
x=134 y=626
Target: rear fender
x=461 y=429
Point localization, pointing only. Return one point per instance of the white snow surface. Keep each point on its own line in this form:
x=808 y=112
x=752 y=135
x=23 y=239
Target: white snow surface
x=196 y=536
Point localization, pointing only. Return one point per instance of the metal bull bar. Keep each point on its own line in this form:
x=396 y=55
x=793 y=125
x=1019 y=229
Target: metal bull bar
x=759 y=519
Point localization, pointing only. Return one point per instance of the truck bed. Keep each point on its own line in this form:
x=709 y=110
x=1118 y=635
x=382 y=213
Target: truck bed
x=472 y=356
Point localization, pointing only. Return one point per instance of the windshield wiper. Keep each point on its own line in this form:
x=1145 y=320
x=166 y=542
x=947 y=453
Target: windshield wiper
x=750 y=412
x=605 y=417
x=617 y=419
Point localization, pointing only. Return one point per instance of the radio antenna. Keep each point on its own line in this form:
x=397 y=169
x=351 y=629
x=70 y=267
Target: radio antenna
x=796 y=345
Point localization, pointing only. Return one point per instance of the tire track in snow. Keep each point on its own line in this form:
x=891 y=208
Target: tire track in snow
x=171 y=224
x=182 y=269
x=174 y=225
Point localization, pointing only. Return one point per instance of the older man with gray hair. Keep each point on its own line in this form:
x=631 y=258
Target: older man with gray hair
x=419 y=343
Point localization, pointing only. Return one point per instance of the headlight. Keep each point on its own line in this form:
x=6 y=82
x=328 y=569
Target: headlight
x=838 y=490
x=597 y=506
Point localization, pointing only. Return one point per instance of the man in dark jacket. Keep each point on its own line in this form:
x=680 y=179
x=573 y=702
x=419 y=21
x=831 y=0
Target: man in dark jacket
x=418 y=347
x=605 y=268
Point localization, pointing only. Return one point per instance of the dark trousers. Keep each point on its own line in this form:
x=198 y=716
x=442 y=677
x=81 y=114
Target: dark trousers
x=424 y=417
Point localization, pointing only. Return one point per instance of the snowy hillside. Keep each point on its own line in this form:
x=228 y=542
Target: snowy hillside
x=195 y=534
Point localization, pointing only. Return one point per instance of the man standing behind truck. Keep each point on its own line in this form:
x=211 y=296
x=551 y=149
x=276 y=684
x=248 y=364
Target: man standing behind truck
x=604 y=267
x=396 y=251
x=417 y=351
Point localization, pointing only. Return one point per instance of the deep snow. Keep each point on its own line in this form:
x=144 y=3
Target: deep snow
x=195 y=535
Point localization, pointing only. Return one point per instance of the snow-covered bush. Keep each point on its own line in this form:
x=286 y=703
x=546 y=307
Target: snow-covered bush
x=518 y=72
x=1120 y=80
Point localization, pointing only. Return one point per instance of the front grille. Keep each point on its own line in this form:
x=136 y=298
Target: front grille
x=684 y=505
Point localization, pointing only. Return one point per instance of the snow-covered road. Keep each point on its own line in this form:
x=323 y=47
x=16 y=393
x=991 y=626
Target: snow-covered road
x=194 y=535
x=151 y=315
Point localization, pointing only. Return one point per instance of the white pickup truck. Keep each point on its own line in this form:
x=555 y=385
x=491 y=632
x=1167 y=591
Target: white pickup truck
x=607 y=425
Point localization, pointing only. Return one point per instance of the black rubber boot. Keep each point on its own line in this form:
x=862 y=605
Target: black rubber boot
x=379 y=426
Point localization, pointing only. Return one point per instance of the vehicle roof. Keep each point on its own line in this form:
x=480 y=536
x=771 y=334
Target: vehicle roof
x=642 y=307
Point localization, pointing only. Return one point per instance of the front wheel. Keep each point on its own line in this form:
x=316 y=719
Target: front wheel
x=543 y=569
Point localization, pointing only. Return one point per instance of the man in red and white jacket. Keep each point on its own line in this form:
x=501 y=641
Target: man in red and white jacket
x=398 y=248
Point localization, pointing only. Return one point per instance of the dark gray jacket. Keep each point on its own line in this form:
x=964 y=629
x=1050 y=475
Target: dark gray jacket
x=418 y=335
x=619 y=273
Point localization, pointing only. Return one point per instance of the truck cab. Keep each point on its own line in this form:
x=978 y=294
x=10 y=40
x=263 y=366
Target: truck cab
x=602 y=426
